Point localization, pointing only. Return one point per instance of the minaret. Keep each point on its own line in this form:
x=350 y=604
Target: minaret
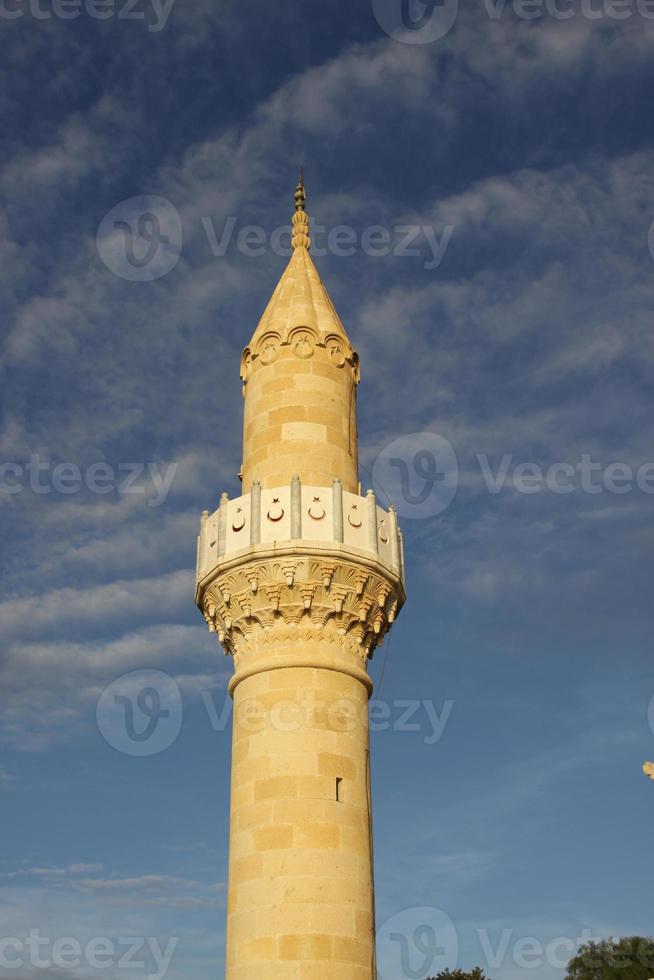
x=300 y=577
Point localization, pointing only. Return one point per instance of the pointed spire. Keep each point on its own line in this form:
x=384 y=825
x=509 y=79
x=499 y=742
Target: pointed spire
x=300 y=220
x=300 y=298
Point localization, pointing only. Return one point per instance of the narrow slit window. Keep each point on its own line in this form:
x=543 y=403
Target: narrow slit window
x=339 y=789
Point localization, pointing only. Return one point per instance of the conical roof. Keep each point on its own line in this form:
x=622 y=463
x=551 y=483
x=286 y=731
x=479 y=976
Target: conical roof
x=300 y=298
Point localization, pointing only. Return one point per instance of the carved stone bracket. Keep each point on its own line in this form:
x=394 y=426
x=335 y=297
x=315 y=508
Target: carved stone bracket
x=266 y=599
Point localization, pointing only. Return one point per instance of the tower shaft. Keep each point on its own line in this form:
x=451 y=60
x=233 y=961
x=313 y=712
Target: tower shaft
x=300 y=577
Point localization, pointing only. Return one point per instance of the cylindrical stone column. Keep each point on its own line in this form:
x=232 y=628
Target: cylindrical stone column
x=300 y=879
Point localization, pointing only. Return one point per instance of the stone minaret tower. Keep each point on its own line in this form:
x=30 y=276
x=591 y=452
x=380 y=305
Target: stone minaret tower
x=300 y=577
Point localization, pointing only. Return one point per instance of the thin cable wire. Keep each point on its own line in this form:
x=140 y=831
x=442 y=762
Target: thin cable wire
x=370 y=826
x=383 y=670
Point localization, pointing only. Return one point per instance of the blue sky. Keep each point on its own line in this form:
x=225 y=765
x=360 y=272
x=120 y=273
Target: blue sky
x=528 y=625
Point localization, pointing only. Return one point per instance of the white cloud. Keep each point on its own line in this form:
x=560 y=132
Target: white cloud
x=52 y=688
x=50 y=612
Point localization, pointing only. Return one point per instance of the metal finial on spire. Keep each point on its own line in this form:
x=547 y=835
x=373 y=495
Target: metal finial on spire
x=300 y=193
x=300 y=220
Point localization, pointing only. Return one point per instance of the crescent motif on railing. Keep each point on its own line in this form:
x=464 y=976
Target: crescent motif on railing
x=275 y=520
x=241 y=526
x=319 y=517
x=354 y=523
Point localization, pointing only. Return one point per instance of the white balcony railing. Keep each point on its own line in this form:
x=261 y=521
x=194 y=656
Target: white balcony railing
x=297 y=513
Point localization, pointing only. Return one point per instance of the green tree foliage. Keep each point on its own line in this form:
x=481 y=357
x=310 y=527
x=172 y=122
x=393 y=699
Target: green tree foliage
x=476 y=974
x=630 y=958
